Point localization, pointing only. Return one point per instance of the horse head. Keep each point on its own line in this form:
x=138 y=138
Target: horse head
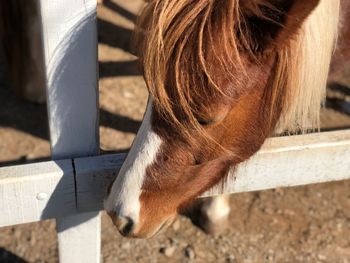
x=222 y=76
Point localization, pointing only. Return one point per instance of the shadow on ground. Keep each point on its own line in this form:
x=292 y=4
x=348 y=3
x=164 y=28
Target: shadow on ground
x=8 y=257
x=32 y=118
x=120 y=10
x=117 y=37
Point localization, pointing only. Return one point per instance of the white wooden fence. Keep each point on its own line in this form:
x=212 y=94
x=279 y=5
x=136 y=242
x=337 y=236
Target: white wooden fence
x=71 y=188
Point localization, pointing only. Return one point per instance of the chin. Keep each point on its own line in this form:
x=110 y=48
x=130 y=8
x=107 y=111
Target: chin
x=149 y=233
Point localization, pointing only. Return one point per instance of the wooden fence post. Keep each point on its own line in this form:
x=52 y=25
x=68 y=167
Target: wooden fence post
x=70 y=44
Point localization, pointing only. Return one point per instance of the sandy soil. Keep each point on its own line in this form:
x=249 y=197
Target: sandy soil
x=301 y=224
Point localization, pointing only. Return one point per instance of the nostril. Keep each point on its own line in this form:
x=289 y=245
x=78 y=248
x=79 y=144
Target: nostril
x=124 y=224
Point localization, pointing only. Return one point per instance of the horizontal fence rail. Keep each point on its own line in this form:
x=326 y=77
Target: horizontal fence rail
x=34 y=192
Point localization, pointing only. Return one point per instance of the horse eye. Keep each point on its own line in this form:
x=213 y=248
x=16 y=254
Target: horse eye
x=205 y=122
x=211 y=117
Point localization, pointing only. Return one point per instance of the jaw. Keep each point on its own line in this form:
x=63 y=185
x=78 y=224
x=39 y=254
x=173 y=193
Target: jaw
x=148 y=231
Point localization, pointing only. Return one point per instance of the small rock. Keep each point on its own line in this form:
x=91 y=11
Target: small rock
x=176 y=225
x=223 y=249
x=174 y=241
x=126 y=245
x=168 y=251
x=270 y=258
x=230 y=258
x=127 y=94
x=321 y=257
x=189 y=252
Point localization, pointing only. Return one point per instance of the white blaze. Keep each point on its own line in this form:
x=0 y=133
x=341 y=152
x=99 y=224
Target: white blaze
x=126 y=190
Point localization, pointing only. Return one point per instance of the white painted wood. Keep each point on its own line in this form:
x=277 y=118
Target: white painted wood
x=70 y=42
x=282 y=162
x=34 y=192
x=79 y=238
x=292 y=161
x=98 y=171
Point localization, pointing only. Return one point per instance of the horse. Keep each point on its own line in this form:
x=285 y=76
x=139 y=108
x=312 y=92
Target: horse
x=21 y=45
x=223 y=75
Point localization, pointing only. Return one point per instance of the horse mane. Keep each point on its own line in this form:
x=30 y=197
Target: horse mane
x=173 y=53
x=307 y=60
x=175 y=38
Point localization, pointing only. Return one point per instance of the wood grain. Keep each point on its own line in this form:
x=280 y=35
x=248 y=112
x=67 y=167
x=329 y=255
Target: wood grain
x=70 y=43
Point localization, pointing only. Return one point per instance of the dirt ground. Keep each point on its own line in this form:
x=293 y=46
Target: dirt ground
x=301 y=224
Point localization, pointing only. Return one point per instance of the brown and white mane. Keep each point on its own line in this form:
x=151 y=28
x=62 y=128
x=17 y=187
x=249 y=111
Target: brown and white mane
x=187 y=37
x=223 y=75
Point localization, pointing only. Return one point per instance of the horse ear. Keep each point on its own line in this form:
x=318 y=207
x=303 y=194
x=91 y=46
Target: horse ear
x=298 y=11
x=273 y=23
